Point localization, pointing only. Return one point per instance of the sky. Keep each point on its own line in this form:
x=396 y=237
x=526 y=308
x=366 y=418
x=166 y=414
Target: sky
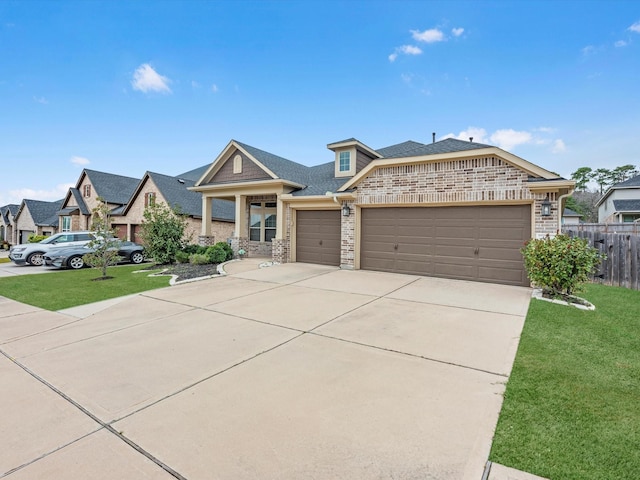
x=163 y=86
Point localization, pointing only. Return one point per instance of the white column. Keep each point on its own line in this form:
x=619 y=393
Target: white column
x=206 y=215
x=241 y=221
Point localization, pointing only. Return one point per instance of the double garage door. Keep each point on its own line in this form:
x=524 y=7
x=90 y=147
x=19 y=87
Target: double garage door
x=470 y=243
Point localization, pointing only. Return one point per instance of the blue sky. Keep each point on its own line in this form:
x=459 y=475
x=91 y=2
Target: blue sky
x=126 y=87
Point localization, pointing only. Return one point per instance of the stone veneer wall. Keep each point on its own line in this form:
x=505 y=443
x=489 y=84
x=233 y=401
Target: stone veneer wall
x=348 y=239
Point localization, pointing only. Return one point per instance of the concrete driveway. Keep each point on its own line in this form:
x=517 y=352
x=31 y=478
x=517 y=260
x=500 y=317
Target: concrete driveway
x=288 y=372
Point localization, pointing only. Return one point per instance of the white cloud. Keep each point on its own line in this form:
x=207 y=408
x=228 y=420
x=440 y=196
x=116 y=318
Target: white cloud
x=17 y=195
x=432 y=35
x=558 y=146
x=588 y=50
x=214 y=88
x=80 y=161
x=635 y=27
x=544 y=129
x=509 y=138
x=405 y=50
x=479 y=135
x=621 y=43
x=457 y=31
x=41 y=100
x=194 y=84
x=146 y=79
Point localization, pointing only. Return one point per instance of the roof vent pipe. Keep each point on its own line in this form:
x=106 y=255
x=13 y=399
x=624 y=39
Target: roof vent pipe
x=471 y=139
x=433 y=135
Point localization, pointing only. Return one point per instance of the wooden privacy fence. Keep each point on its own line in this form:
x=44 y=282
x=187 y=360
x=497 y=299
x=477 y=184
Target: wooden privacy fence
x=622 y=265
x=632 y=228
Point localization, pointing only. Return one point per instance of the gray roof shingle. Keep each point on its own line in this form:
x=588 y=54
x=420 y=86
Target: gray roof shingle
x=415 y=149
x=5 y=210
x=632 y=182
x=112 y=188
x=44 y=214
x=627 y=205
x=283 y=168
x=174 y=190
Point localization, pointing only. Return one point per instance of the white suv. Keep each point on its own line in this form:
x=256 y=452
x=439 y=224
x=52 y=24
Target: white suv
x=32 y=253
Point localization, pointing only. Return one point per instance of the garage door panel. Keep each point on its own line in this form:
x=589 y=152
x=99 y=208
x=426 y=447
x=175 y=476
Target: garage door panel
x=318 y=236
x=472 y=243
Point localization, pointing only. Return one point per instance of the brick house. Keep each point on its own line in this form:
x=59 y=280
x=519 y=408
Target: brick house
x=173 y=191
x=35 y=217
x=7 y=226
x=451 y=208
x=80 y=201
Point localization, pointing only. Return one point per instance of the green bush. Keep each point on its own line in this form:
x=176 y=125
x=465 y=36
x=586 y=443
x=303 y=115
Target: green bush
x=192 y=248
x=199 y=259
x=33 y=238
x=560 y=264
x=182 y=256
x=216 y=254
x=227 y=248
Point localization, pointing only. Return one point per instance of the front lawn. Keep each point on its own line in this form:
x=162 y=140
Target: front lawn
x=70 y=288
x=572 y=404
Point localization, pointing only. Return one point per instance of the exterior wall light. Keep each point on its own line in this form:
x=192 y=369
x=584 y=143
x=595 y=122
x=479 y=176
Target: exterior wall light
x=346 y=211
x=545 y=207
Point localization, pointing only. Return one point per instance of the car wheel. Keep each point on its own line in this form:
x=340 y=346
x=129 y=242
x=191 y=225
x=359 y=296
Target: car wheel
x=36 y=259
x=76 y=262
x=137 y=257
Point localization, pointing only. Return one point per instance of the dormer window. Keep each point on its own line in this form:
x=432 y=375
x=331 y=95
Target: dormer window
x=345 y=161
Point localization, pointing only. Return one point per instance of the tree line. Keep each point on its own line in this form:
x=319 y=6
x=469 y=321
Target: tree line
x=584 y=200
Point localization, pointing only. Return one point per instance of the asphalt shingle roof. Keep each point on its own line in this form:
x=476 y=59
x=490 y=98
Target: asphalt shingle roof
x=44 y=214
x=632 y=182
x=570 y=213
x=627 y=205
x=112 y=188
x=80 y=201
x=6 y=209
x=283 y=168
x=174 y=190
x=194 y=174
x=414 y=149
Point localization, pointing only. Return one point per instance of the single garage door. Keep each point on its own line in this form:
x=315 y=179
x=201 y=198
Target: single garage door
x=318 y=236
x=470 y=243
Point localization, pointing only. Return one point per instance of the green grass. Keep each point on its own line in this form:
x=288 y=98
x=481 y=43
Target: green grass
x=572 y=403
x=70 y=288
x=4 y=260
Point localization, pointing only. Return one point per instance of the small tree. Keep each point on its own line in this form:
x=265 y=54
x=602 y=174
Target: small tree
x=163 y=232
x=105 y=250
x=560 y=264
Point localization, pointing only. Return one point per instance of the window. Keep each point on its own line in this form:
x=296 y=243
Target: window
x=237 y=164
x=345 y=161
x=262 y=221
x=87 y=190
x=149 y=198
x=66 y=224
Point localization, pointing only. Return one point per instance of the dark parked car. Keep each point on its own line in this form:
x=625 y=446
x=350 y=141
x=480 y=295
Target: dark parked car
x=72 y=257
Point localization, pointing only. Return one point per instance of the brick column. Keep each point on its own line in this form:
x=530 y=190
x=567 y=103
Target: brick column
x=348 y=235
x=206 y=240
x=238 y=243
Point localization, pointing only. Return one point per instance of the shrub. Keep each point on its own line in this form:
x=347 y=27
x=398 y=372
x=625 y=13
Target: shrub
x=560 y=264
x=33 y=238
x=193 y=248
x=182 y=256
x=227 y=248
x=199 y=259
x=216 y=254
x=162 y=232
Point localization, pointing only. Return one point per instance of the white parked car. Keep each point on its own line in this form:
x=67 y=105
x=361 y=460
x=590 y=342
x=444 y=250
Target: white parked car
x=32 y=253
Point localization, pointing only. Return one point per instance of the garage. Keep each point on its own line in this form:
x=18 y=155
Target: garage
x=480 y=243
x=318 y=236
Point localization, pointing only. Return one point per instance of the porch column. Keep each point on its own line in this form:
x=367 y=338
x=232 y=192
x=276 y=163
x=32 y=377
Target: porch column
x=241 y=219
x=206 y=216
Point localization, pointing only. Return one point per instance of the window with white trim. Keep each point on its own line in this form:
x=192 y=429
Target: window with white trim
x=66 y=224
x=237 y=164
x=262 y=221
x=345 y=161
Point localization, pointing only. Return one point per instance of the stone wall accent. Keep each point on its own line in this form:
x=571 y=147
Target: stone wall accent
x=278 y=250
x=206 y=240
x=238 y=243
x=259 y=249
x=348 y=240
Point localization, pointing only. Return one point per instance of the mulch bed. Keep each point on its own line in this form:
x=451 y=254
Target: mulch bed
x=187 y=271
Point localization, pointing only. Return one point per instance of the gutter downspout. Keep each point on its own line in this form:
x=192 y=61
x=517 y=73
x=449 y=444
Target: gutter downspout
x=561 y=208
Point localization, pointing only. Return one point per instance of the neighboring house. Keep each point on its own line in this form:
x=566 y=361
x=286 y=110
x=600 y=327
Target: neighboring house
x=569 y=217
x=450 y=208
x=80 y=201
x=155 y=187
x=36 y=217
x=7 y=213
x=621 y=203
